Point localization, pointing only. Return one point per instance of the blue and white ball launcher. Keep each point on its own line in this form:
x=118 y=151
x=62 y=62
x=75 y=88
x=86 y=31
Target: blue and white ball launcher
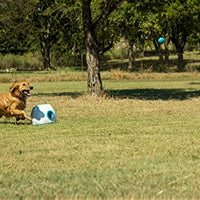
x=43 y=114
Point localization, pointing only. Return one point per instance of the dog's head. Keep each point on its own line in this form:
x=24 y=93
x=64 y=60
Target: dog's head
x=21 y=89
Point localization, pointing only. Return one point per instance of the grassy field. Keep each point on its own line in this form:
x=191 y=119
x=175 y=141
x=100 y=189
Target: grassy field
x=141 y=143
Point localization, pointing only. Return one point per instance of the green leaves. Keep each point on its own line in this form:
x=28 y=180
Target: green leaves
x=24 y=23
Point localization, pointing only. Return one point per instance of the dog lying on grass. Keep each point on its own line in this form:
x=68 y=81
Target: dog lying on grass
x=14 y=103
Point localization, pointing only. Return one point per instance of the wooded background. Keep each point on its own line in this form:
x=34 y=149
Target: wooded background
x=74 y=32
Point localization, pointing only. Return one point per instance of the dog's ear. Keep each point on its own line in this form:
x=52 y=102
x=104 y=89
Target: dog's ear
x=13 y=88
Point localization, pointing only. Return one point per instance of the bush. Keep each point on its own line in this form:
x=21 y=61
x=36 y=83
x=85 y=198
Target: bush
x=26 y=62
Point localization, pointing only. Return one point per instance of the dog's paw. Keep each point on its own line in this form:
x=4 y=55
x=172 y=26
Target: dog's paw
x=28 y=118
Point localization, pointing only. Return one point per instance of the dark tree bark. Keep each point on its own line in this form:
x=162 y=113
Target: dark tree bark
x=166 y=44
x=45 y=45
x=90 y=28
x=166 y=55
x=46 y=56
x=181 y=63
x=130 y=56
x=158 y=48
x=179 y=39
x=94 y=82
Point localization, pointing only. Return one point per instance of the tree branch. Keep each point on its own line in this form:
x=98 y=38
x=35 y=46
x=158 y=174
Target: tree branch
x=110 y=7
x=109 y=46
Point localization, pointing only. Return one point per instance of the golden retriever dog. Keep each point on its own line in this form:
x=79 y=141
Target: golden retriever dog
x=14 y=103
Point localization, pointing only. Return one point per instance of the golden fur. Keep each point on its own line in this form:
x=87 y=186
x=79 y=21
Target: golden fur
x=14 y=103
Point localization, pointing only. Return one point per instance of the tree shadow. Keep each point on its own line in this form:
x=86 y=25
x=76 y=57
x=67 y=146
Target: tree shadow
x=195 y=83
x=154 y=94
x=147 y=64
x=54 y=94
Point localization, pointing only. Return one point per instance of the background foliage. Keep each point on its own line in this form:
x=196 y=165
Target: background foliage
x=54 y=29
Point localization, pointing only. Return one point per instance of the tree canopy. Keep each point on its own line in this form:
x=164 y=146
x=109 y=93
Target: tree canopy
x=92 y=27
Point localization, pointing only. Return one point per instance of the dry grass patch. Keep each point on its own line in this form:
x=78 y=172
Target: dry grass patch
x=62 y=76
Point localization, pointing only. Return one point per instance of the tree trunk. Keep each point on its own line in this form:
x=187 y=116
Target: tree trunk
x=181 y=64
x=94 y=82
x=166 y=44
x=158 y=49
x=160 y=54
x=142 y=61
x=179 y=40
x=130 y=56
x=46 y=48
x=46 y=55
x=166 y=55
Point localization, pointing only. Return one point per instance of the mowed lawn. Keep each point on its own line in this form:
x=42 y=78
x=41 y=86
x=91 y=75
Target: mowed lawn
x=141 y=143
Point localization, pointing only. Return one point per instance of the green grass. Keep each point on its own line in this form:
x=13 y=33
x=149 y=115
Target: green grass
x=145 y=146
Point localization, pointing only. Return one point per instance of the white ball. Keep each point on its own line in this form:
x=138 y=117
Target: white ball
x=43 y=114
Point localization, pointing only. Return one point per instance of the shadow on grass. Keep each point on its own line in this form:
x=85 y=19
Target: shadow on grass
x=146 y=94
x=147 y=64
x=195 y=83
x=20 y=123
x=154 y=94
x=54 y=94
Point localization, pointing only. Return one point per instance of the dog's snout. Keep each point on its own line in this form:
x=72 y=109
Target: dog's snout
x=31 y=87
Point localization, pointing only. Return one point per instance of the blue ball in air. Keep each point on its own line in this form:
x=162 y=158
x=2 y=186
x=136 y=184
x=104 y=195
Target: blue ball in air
x=161 y=40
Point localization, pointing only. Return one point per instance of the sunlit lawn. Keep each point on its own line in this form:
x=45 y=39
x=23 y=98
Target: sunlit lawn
x=145 y=146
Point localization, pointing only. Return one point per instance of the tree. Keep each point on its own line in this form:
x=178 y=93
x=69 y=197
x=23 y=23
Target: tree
x=46 y=26
x=129 y=27
x=140 y=24
x=14 y=26
x=69 y=48
x=195 y=32
x=91 y=27
x=176 y=20
x=180 y=21
x=39 y=25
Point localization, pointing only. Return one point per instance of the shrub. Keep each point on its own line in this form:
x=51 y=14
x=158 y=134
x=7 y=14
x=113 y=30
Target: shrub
x=26 y=62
